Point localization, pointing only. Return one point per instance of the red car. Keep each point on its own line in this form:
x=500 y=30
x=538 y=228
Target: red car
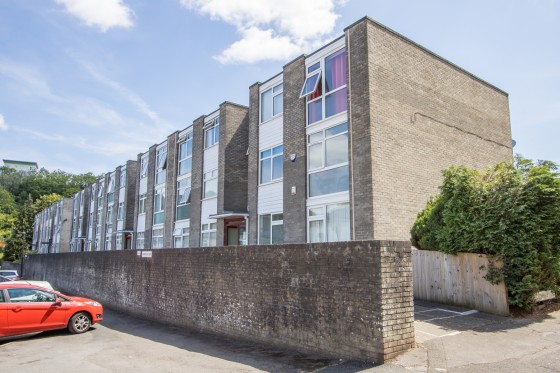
x=28 y=308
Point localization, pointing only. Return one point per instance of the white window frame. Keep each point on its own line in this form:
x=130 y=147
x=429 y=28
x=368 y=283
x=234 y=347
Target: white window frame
x=183 y=195
x=212 y=129
x=323 y=218
x=118 y=242
x=157 y=237
x=188 y=138
x=271 y=157
x=272 y=223
x=208 y=177
x=122 y=179
x=161 y=165
x=181 y=237
x=120 y=211
x=318 y=69
x=160 y=193
x=323 y=167
x=142 y=204
x=276 y=90
x=208 y=233
x=144 y=167
x=140 y=240
x=109 y=219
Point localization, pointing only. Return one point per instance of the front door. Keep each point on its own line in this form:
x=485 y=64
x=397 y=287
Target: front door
x=235 y=232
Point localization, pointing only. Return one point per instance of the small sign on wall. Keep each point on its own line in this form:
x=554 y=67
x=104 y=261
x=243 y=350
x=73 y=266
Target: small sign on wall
x=146 y=254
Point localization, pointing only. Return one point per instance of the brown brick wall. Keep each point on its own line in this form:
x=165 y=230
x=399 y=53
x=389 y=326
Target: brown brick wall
x=425 y=115
x=345 y=299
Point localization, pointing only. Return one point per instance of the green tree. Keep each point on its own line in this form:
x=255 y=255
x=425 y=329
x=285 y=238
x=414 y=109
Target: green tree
x=511 y=211
x=22 y=232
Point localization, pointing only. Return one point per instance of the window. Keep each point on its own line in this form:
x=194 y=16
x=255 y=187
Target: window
x=184 y=199
x=142 y=204
x=161 y=164
x=30 y=295
x=109 y=221
x=181 y=237
x=140 y=240
x=108 y=243
x=144 y=167
x=208 y=233
x=212 y=133
x=272 y=164
x=272 y=102
x=118 y=243
x=122 y=180
x=210 y=184
x=91 y=219
x=159 y=206
x=329 y=223
x=325 y=89
x=271 y=229
x=327 y=161
x=185 y=155
x=120 y=211
x=92 y=197
x=157 y=238
x=111 y=189
x=98 y=226
x=100 y=195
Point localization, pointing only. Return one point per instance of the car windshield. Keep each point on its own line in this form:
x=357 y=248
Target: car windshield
x=8 y=273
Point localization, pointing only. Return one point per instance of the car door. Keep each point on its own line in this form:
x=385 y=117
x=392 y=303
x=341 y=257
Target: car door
x=3 y=315
x=31 y=310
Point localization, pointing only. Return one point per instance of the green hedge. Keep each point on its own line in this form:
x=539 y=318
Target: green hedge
x=511 y=213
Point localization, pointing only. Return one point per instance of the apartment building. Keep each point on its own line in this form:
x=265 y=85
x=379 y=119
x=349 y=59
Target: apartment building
x=51 y=230
x=346 y=143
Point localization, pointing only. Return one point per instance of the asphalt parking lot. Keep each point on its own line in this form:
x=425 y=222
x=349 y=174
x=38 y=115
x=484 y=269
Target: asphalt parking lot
x=449 y=339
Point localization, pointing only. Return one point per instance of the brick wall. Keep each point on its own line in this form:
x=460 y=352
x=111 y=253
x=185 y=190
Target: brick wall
x=425 y=115
x=347 y=299
x=253 y=161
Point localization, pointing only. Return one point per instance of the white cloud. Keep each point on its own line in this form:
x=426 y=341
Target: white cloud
x=3 y=125
x=104 y=14
x=271 y=29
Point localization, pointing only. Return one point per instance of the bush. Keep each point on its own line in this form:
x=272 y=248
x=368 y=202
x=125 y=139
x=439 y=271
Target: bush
x=510 y=212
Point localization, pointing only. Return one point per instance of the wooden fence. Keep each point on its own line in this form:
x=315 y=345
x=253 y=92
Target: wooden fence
x=457 y=280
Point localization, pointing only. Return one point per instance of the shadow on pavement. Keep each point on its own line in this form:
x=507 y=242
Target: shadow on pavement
x=259 y=356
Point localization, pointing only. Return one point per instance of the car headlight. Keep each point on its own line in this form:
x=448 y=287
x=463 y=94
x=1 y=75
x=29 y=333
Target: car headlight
x=95 y=304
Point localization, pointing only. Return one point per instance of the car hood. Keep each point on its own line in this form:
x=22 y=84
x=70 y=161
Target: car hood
x=81 y=299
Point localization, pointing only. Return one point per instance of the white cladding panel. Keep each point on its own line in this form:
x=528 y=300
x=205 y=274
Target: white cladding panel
x=271 y=198
x=209 y=207
x=143 y=185
x=141 y=227
x=210 y=158
x=122 y=193
x=120 y=225
x=271 y=133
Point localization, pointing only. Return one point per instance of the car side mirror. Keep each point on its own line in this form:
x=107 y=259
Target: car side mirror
x=58 y=302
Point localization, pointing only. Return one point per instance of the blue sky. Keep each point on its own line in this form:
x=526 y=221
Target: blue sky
x=87 y=84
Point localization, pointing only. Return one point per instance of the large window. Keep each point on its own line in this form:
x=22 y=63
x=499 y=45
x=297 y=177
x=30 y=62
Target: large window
x=100 y=195
x=211 y=133
x=185 y=155
x=210 y=184
x=108 y=243
x=142 y=204
x=327 y=155
x=184 y=199
x=272 y=164
x=140 y=240
x=208 y=235
x=144 y=167
x=329 y=223
x=159 y=207
x=109 y=221
x=181 y=237
x=161 y=164
x=157 y=238
x=118 y=242
x=271 y=229
x=111 y=189
x=325 y=87
x=120 y=211
x=272 y=102
x=122 y=180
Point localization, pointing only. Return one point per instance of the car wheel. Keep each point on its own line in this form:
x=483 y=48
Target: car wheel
x=79 y=323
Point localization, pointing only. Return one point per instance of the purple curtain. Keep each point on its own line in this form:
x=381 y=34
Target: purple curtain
x=335 y=67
